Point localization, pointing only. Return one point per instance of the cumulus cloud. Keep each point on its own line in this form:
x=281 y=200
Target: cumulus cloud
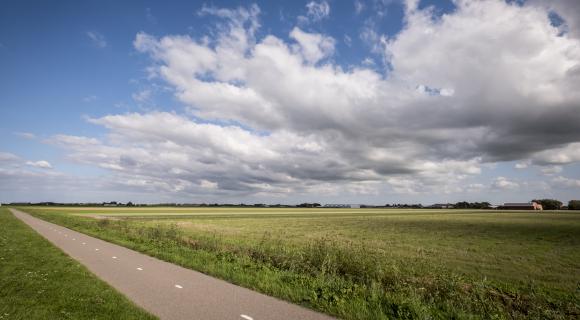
x=312 y=46
x=490 y=82
x=39 y=164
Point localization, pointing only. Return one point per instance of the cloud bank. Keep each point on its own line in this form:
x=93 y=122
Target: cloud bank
x=490 y=82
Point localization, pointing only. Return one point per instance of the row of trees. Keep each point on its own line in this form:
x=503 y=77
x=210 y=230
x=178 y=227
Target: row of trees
x=547 y=204
x=472 y=205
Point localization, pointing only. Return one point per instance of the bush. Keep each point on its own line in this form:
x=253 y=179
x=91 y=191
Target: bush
x=574 y=205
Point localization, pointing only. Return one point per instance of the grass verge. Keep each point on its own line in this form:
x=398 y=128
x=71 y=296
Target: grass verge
x=38 y=281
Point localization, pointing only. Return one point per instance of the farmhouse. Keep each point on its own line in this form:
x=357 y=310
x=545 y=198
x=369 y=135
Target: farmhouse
x=522 y=206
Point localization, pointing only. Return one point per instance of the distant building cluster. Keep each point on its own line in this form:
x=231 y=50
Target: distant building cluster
x=522 y=206
x=330 y=205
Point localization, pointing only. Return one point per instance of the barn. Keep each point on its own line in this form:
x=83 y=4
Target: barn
x=522 y=206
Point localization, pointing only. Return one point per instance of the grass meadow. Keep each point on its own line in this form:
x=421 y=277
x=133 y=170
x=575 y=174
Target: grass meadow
x=365 y=263
x=38 y=281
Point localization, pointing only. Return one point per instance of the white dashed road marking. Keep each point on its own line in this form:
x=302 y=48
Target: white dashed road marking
x=178 y=286
x=246 y=317
x=140 y=269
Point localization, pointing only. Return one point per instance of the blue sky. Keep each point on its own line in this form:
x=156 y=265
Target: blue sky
x=331 y=101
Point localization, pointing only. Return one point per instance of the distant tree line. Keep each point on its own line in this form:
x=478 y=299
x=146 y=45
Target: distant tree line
x=472 y=205
x=547 y=204
x=309 y=205
x=396 y=206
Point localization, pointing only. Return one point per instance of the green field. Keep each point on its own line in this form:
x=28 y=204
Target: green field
x=38 y=281
x=365 y=263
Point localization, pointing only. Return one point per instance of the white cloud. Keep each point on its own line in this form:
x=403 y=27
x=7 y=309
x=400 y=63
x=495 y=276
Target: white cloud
x=569 y=10
x=522 y=164
x=503 y=183
x=368 y=61
x=39 y=164
x=312 y=46
x=475 y=187
x=358 y=6
x=97 y=39
x=274 y=119
x=347 y=40
x=551 y=170
x=564 y=182
x=566 y=154
x=26 y=135
x=8 y=157
x=142 y=96
x=318 y=10
x=208 y=184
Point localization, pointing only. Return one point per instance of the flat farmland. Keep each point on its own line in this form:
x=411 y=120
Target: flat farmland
x=365 y=263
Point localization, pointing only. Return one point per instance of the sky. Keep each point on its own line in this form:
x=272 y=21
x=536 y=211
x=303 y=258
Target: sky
x=373 y=102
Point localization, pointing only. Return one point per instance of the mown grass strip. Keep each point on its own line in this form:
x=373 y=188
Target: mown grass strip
x=38 y=281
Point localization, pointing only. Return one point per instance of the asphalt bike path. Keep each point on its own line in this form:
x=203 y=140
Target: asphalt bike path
x=165 y=289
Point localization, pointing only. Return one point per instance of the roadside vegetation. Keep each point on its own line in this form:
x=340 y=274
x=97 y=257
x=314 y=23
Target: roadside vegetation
x=38 y=281
x=367 y=264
